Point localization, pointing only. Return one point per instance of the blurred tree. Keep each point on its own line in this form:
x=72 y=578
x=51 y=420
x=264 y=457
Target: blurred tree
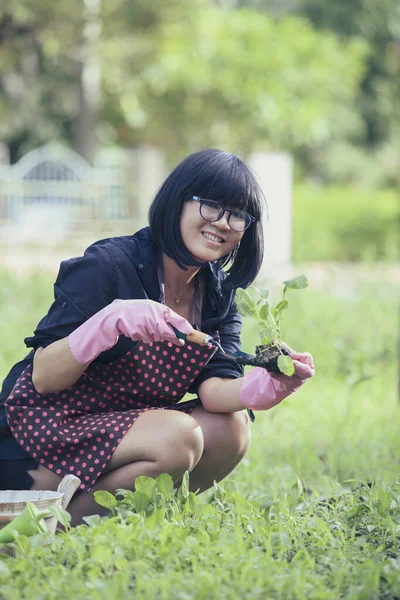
x=40 y=57
x=180 y=75
x=233 y=78
x=50 y=64
x=377 y=22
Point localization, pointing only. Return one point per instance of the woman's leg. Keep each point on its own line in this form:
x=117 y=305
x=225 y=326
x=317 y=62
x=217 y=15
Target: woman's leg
x=226 y=441
x=209 y=445
x=160 y=441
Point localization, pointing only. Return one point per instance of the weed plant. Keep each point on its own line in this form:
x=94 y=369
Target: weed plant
x=311 y=513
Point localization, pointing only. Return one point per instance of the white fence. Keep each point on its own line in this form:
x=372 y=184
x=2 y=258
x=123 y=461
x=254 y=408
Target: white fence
x=56 y=176
x=52 y=190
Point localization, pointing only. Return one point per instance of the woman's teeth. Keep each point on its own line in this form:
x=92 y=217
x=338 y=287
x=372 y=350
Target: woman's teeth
x=212 y=237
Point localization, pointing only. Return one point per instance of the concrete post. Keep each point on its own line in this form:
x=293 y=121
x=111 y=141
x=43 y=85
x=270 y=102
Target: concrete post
x=275 y=174
x=4 y=176
x=151 y=171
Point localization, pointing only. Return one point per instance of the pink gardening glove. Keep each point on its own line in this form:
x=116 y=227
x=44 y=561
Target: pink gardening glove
x=140 y=320
x=261 y=391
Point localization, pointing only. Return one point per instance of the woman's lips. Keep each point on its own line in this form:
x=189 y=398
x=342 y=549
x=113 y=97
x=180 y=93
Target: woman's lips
x=212 y=238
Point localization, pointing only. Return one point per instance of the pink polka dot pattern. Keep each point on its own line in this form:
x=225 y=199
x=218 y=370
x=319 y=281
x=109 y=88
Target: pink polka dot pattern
x=77 y=430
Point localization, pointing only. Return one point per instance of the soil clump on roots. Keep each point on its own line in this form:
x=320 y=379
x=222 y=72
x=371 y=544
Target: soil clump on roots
x=266 y=357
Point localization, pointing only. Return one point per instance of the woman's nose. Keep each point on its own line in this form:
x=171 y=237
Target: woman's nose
x=223 y=221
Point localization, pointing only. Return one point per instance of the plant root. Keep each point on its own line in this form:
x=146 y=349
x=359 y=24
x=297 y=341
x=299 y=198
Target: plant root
x=266 y=357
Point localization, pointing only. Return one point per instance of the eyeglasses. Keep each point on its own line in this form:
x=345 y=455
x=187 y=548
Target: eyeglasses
x=212 y=211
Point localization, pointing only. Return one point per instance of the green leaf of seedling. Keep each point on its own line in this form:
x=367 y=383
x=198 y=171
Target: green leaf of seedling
x=183 y=491
x=297 y=283
x=125 y=494
x=244 y=295
x=264 y=293
x=105 y=499
x=285 y=365
x=217 y=490
x=92 y=520
x=146 y=485
x=141 y=501
x=39 y=540
x=280 y=307
x=244 y=309
x=245 y=303
x=191 y=503
x=155 y=518
x=265 y=311
x=61 y=515
x=165 y=485
x=267 y=335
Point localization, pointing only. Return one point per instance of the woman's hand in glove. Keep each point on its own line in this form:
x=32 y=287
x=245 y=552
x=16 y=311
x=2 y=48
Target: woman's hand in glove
x=141 y=320
x=260 y=390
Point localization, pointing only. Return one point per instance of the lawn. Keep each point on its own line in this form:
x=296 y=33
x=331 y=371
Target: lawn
x=312 y=512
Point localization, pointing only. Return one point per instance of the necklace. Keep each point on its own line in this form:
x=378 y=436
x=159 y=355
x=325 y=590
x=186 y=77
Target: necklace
x=177 y=298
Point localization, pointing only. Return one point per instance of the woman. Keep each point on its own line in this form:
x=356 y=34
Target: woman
x=97 y=395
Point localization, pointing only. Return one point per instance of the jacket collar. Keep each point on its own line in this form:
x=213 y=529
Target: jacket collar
x=143 y=252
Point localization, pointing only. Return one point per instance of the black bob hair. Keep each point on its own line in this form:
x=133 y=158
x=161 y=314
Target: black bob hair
x=220 y=176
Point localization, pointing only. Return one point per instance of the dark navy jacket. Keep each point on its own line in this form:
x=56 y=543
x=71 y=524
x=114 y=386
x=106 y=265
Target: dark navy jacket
x=125 y=268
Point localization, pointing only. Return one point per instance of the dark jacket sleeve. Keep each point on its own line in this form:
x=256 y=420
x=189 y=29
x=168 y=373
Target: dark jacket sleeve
x=229 y=329
x=84 y=286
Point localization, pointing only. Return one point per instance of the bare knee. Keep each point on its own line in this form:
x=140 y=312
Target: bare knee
x=236 y=434
x=225 y=434
x=181 y=444
x=226 y=441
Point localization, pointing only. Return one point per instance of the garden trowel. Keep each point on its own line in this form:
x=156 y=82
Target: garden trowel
x=204 y=339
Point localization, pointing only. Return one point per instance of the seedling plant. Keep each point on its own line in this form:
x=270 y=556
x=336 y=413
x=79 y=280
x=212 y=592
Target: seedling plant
x=270 y=354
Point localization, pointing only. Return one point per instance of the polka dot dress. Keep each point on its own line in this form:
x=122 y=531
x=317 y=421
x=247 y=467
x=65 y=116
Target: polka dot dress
x=77 y=430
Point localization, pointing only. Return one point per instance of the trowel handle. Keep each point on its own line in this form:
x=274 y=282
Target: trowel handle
x=197 y=337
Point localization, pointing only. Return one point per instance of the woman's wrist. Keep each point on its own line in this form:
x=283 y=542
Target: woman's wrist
x=221 y=395
x=55 y=368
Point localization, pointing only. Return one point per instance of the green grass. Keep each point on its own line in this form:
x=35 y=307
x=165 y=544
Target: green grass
x=312 y=512
x=345 y=224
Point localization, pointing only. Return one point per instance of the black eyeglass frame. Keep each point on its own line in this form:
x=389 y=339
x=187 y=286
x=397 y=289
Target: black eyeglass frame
x=224 y=210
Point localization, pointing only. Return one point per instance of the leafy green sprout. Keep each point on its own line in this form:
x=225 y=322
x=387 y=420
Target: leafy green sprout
x=255 y=303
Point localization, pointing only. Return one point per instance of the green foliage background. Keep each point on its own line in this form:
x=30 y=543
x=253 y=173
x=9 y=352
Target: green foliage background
x=345 y=223
x=320 y=79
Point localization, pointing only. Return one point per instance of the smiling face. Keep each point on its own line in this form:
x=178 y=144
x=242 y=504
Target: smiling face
x=206 y=241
